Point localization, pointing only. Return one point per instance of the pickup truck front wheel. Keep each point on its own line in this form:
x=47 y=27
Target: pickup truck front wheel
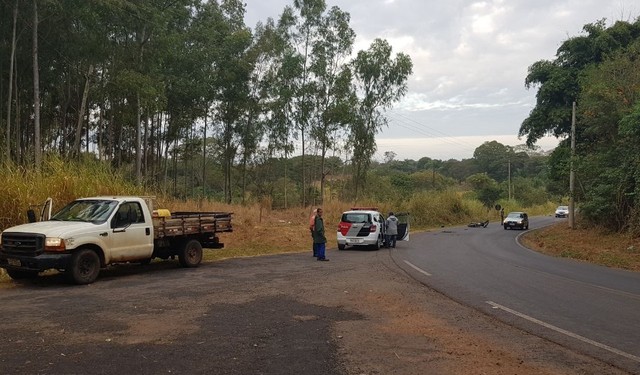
x=191 y=254
x=84 y=267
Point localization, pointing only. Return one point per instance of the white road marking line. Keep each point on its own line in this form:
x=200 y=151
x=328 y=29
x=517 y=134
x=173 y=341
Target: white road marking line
x=565 y=332
x=418 y=269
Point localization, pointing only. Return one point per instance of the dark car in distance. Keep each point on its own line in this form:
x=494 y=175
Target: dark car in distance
x=516 y=220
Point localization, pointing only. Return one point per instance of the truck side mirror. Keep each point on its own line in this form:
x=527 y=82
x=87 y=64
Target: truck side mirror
x=31 y=216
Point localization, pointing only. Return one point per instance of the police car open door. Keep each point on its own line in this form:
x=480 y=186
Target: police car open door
x=403 y=226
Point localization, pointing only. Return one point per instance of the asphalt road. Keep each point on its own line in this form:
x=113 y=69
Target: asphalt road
x=591 y=309
x=364 y=312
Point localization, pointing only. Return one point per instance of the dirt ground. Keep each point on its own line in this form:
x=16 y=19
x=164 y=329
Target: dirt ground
x=358 y=314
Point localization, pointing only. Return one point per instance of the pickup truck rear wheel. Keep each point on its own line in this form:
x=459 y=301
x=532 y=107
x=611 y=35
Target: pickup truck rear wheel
x=22 y=274
x=191 y=254
x=84 y=267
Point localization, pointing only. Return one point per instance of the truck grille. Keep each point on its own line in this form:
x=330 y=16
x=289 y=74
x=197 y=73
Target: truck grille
x=27 y=244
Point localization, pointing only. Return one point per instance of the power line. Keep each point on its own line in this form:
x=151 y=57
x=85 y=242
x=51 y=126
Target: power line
x=408 y=123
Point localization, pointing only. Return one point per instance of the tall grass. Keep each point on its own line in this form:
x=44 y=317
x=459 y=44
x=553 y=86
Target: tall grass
x=258 y=228
x=62 y=181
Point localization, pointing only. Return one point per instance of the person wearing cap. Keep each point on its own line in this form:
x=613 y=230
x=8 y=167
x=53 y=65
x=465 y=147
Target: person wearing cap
x=392 y=230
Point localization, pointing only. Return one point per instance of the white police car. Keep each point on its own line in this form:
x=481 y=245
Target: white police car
x=361 y=226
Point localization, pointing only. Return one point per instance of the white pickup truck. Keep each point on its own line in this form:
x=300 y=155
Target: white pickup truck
x=90 y=233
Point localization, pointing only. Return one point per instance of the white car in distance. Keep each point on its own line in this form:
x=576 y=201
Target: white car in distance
x=562 y=211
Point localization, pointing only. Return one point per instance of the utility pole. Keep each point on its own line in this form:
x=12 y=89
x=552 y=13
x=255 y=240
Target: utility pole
x=572 y=218
x=509 y=166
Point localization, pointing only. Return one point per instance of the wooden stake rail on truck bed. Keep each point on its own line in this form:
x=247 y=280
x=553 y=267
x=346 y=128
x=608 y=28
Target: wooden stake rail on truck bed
x=184 y=223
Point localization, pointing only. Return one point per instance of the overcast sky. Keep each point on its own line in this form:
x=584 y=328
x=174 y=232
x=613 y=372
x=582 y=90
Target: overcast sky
x=470 y=62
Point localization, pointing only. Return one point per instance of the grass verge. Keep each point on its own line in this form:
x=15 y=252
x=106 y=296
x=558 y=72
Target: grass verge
x=590 y=245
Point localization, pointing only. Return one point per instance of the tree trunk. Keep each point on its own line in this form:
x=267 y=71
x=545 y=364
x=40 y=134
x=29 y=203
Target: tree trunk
x=145 y=147
x=100 y=133
x=138 y=142
x=11 y=69
x=175 y=168
x=204 y=155
x=110 y=147
x=18 y=151
x=322 y=173
x=286 y=164
x=36 y=89
x=83 y=106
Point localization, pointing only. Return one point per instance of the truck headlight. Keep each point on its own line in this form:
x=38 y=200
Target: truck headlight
x=54 y=244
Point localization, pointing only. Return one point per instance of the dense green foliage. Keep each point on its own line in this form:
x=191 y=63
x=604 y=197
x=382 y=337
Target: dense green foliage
x=186 y=97
x=432 y=199
x=600 y=71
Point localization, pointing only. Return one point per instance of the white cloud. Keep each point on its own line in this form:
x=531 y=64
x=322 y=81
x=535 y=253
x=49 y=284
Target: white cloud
x=470 y=56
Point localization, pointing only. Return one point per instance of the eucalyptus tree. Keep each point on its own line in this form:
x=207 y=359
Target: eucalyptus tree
x=154 y=27
x=194 y=66
x=304 y=33
x=36 y=89
x=381 y=81
x=115 y=47
x=233 y=74
x=254 y=124
x=334 y=96
x=73 y=41
x=280 y=82
x=14 y=24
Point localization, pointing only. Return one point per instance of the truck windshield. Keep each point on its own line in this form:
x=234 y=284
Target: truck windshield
x=91 y=211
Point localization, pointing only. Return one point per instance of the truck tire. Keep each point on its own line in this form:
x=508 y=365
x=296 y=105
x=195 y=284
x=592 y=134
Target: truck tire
x=191 y=254
x=84 y=267
x=22 y=274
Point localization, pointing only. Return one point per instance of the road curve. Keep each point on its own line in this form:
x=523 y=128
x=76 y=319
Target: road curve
x=592 y=309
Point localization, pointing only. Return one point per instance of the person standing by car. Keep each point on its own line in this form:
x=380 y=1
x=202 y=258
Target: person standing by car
x=392 y=230
x=319 y=239
x=312 y=222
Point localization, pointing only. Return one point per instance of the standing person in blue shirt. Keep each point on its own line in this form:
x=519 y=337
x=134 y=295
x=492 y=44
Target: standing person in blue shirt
x=319 y=240
x=392 y=230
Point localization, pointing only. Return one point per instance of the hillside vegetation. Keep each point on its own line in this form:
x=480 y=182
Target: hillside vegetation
x=260 y=229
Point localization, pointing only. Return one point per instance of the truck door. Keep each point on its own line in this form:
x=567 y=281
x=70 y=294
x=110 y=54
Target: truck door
x=403 y=226
x=131 y=237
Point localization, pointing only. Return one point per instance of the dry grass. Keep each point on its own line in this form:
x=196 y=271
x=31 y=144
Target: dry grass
x=590 y=245
x=62 y=181
x=259 y=230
